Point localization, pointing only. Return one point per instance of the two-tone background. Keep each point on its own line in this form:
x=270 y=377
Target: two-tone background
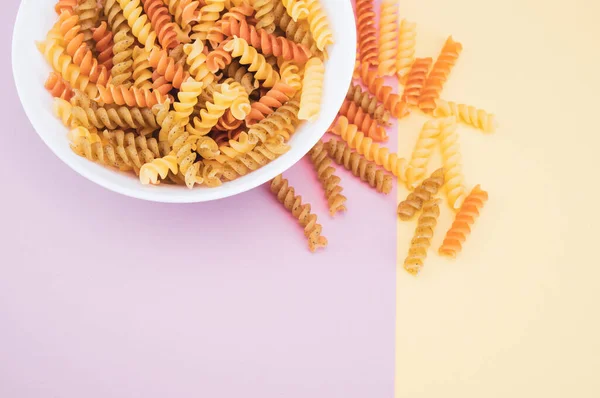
x=106 y=296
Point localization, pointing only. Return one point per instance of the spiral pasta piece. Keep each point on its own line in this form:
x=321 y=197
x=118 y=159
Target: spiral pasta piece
x=88 y=14
x=452 y=162
x=188 y=97
x=160 y=83
x=421 y=194
x=122 y=70
x=407 y=42
x=376 y=86
x=64 y=5
x=439 y=74
x=267 y=104
x=415 y=80
x=388 y=38
x=319 y=25
x=184 y=11
x=238 y=13
x=302 y=212
x=267 y=43
x=298 y=32
x=422 y=153
x=196 y=60
x=56 y=86
x=466 y=114
x=150 y=172
x=371 y=151
x=240 y=74
x=264 y=14
x=138 y=22
x=240 y=107
x=142 y=73
x=129 y=96
x=99 y=153
x=464 y=219
x=77 y=133
x=222 y=99
x=421 y=241
x=116 y=148
x=238 y=47
x=114 y=16
x=167 y=67
x=218 y=58
x=114 y=118
x=63 y=64
x=297 y=9
x=161 y=22
x=183 y=146
x=368 y=104
x=81 y=54
x=258 y=157
x=367 y=34
x=329 y=181
x=312 y=90
x=360 y=167
x=290 y=74
x=357 y=116
x=282 y=122
x=103 y=38
x=62 y=109
x=228 y=124
x=235 y=148
x=209 y=15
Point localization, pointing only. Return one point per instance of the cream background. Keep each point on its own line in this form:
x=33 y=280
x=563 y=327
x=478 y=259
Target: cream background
x=517 y=313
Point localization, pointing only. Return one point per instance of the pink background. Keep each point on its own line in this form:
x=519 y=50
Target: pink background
x=102 y=295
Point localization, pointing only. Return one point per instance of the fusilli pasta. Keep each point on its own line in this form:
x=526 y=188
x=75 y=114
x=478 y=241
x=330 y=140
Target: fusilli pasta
x=461 y=227
x=421 y=241
x=360 y=167
x=293 y=203
x=329 y=181
x=422 y=194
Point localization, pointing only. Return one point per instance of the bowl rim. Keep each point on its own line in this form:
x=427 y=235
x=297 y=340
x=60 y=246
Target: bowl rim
x=167 y=194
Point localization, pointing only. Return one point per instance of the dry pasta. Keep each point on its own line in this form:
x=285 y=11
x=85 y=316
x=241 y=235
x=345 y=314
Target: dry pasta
x=423 y=193
x=421 y=241
x=286 y=195
x=466 y=114
x=464 y=219
x=366 y=170
x=329 y=181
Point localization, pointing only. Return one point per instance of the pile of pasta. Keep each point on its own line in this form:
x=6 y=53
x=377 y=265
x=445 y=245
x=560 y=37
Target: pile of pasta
x=186 y=92
x=387 y=49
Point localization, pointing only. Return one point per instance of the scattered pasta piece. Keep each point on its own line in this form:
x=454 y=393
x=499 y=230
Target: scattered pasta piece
x=421 y=241
x=452 y=163
x=388 y=37
x=366 y=32
x=375 y=84
x=331 y=182
x=461 y=227
x=293 y=203
x=369 y=104
x=422 y=153
x=439 y=74
x=370 y=127
x=407 y=42
x=359 y=166
x=415 y=80
x=370 y=150
x=466 y=114
x=423 y=193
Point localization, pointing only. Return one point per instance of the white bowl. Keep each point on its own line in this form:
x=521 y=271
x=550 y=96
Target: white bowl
x=30 y=71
